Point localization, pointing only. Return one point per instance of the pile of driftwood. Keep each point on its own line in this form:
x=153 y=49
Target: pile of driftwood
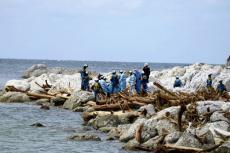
x=161 y=99
x=44 y=94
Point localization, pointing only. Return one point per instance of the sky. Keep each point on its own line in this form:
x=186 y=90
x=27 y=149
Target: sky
x=166 y=31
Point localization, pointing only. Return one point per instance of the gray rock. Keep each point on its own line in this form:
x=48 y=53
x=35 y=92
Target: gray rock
x=131 y=145
x=84 y=137
x=172 y=137
x=148 y=133
x=165 y=127
x=106 y=121
x=212 y=105
x=42 y=101
x=129 y=134
x=224 y=148
x=220 y=125
x=153 y=142
x=78 y=98
x=128 y=118
x=149 y=108
x=35 y=70
x=188 y=140
x=115 y=133
x=218 y=116
x=173 y=111
x=14 y=97
x=106 y=129
x=80 y=109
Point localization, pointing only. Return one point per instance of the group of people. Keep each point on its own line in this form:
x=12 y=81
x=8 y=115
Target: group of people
x=138 y=82
x=220 y=87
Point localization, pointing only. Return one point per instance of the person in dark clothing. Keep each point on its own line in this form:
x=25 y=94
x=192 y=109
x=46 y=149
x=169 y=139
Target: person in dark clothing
x=221 y=87
x=84 y=77
x=99 y=76
x=85 y=82
x=228 y=63
x=144 y=82
x=209 y=81
x=96 y=87
x=146 y=70
x=177 y=82
x=114 y=81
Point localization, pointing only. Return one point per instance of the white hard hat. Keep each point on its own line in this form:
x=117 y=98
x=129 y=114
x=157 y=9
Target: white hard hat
x=146 y=64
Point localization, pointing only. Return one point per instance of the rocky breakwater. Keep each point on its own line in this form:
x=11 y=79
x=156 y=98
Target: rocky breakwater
x=187 y=119
x=45 y=85
x=193 y=77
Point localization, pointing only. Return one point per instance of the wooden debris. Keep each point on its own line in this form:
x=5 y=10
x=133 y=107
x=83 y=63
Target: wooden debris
x=138 y=133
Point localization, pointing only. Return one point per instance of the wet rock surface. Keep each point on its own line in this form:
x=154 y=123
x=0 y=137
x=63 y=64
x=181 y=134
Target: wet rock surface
x=84 y=137
x=37 y=125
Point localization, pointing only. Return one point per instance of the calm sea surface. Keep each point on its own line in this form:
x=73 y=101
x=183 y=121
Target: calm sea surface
x=16 y=134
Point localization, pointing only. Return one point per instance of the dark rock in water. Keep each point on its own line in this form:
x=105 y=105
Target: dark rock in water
x=45 y=107
x=79 y=109
x=58 y=101
x=37 y=125
x=84 y=137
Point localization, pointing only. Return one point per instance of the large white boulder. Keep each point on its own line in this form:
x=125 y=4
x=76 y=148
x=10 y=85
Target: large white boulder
x=193 y=77
x=19 y=84
x=35 y=70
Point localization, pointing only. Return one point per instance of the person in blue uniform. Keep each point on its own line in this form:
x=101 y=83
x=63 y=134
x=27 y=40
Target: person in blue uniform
x=138 y=81
x=209 y=81
x=132 y=83
x=114 y=82
x=221 y=87
x=122 y=81
x=104 y=86
x=177 y=82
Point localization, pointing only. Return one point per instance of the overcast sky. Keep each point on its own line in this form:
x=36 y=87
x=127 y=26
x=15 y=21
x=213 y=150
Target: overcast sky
x=178 y=31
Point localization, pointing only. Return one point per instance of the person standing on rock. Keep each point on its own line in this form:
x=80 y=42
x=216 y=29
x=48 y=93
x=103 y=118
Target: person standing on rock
x=96 y=87
x=144 y=82
x=221 y=87
x=209 y=81
x=146 y=70
x=228 y=63
x=104 y=86
x=84 y=76
x=122 y=80
x=114 y=82
x=138 y=81
x=132 y=83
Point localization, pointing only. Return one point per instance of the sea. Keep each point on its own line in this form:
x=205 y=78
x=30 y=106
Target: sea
x=16 y=134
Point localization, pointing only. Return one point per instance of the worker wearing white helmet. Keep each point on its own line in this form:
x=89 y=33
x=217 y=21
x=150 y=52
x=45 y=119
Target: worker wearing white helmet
x=146 y=70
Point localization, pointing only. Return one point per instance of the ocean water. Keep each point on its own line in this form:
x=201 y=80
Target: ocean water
x=16 y=134
x=14 y=68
